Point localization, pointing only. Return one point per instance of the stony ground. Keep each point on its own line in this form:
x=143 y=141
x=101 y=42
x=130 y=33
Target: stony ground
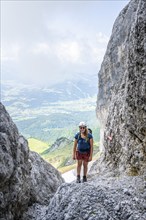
x=125 y=197
x=101 y=198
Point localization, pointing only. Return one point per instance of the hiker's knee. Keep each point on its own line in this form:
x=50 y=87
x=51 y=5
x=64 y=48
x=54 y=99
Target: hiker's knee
x=79 y=163
x=85 y=164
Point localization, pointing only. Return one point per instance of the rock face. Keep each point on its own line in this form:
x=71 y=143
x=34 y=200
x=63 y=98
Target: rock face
x=122 y=93
x=45 y=180
x=25 y=178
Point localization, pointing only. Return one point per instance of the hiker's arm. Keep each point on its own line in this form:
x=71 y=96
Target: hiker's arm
x=74 y=149
x=91 y=149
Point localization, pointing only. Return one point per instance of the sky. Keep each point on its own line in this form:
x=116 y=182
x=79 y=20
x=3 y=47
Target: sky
x=47 y=42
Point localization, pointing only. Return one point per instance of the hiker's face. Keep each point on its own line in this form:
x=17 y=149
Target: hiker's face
x=82 y=129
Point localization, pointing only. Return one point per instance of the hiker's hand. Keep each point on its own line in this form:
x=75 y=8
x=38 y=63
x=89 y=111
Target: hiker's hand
x=74 y=158
x=90 y=159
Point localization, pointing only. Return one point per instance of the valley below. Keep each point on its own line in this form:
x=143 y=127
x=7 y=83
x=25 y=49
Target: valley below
x=48 y=117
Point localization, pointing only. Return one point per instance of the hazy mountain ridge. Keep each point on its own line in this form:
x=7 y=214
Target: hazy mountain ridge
x=49 y=128
x=59 y=143
x=50 y=112
x=31 y=96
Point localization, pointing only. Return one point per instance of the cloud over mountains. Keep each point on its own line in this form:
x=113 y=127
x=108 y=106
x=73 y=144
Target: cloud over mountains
x=47 y=42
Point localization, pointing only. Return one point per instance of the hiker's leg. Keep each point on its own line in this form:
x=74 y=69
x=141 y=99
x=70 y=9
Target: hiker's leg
x=79 y=164
x=85 y=165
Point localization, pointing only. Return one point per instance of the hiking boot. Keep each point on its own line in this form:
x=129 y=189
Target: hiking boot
x=78 y=179
x=84 y=179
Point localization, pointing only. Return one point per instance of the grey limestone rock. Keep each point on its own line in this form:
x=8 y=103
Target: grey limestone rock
x=25 y=178
x=72 y=201
x=121 y=102
x=14 y=169
x=45 y=180
x=100 y=198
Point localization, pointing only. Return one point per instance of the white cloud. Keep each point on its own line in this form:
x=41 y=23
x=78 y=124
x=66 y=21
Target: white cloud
x=10 y=52
x=45 y=42
x=68 y=52
x=49 y=62
x=102 y=38
x=41 y=48
x=98 y=54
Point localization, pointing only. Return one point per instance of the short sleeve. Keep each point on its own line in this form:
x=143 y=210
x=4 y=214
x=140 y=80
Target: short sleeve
x=90 y=136
x=76 y=136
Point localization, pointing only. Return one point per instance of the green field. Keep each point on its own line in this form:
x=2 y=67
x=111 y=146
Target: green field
x=61 y=157
x=37 y=145
x=49 y=128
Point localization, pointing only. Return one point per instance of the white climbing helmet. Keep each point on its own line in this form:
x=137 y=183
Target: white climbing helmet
x=82 y=123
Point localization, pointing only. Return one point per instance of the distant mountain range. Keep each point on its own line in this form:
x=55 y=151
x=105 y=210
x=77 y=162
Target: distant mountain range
x=33 y=96
x=48 y=113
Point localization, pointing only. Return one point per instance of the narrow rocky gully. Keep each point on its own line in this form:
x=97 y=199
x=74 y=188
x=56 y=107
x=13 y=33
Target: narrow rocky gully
x=32 y=189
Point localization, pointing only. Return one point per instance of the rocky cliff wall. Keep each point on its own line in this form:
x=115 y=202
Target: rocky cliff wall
x=25 y=178
x=121 y=101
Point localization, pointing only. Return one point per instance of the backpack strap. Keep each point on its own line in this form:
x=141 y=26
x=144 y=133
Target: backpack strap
x=79 y=136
